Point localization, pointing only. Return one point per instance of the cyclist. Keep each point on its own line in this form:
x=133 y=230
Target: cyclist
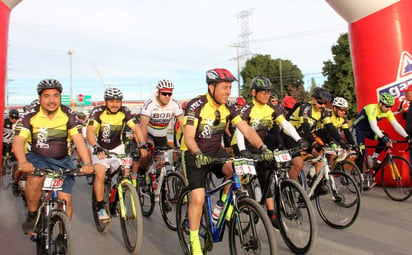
x=366 y=126
x=48 y=127
x=261 y=116
x=8 y=133
x=230 y=129
x=104 y=132
x=307 y=119
x=274 y=100
x=156 y=115
x=204 y=124
x=288 y=103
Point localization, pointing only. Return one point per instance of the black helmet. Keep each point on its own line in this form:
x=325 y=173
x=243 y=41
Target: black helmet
x=219 y=75
x=261 y=83
x=322 y=94
x=49 y=84
x=14 y=114
x=113 y=93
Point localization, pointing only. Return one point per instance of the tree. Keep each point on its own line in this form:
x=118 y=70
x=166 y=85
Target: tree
x=264 y=65
x=339 y=74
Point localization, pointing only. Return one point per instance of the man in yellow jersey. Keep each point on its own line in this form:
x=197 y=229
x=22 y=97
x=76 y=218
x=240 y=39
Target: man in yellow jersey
x=48 y=127
x=261 y=116
x=366 y=126
x=204 y=123
x=104 y=132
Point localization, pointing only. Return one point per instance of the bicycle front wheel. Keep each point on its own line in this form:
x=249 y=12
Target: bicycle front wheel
x=352 y=170
x=296 y=216
x=60 y=236
x=339 y=208
x=147 y=197
x=131 y=219
x=250 y=230
x=396 y=178
x=170 y=190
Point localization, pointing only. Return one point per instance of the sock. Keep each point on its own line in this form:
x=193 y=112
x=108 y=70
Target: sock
x=141 y=171
x=271 y=214
x=32 y=214
x=100 y=205
x=223 y=197
x=194 y=235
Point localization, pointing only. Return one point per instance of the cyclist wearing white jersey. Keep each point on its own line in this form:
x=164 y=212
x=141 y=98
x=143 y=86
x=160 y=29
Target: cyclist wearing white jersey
x=156 y=115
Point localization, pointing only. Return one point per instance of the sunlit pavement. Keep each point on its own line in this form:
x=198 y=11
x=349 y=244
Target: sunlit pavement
x=383 y=227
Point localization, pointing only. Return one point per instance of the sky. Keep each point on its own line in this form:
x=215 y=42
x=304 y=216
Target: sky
x=133 y=44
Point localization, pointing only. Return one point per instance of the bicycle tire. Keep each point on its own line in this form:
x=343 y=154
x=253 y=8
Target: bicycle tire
x=297 y=220
x=340 y=208
x=6 y=173
x=101 y=226
x=182 y=221
x=170 y=190
x=41 y=239
x=352 y=169
x=259 y=235
x=132 y=223
x=401 y=189
x=60 y=235
x=147 y=198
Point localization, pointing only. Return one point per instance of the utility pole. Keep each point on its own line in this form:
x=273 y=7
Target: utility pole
x=281 y=79
x=237 y=46
x=70 y=53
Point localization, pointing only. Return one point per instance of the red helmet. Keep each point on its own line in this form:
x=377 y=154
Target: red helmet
x=240 y=101
x=184 y=105
x=288 y=102
x=219 y=75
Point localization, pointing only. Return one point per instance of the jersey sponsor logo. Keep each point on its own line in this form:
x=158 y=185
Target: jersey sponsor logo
x=42 y=135
x=106 y=133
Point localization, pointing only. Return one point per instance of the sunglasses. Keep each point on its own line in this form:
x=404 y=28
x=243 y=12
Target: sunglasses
x=387 y=106
x=341 y=109
x=217 y=118
x=166 y=94
x=321 y=102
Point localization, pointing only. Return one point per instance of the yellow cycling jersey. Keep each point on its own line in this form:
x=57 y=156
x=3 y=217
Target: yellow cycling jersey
x=49 y=137
x=210 y=122
x=260 y=117
x=316 y=119
x=372 y=112
x=339 y=122
x=109 y=126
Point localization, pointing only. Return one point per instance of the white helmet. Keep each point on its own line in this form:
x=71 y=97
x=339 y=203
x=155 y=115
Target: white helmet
x=340 y=102
x=165 y=84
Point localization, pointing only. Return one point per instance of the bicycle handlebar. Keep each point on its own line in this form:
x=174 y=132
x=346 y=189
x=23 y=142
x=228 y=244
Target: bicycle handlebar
x=67 y=172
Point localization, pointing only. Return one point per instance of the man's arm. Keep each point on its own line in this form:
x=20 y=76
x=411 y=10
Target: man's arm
x=189 y=132
x=91 y=135
x=250 y=134
x=143 y=126
x=18 y=148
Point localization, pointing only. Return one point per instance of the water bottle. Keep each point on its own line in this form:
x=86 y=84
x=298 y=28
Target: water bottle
x=217 y=211
x=312 y=171
x=112 y=194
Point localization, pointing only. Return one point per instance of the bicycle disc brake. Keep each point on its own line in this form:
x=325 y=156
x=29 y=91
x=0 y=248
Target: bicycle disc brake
x=208 y=241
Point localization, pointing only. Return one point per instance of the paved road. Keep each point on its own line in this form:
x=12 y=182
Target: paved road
x=383 y=227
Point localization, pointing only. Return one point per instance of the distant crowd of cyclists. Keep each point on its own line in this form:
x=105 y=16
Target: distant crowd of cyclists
x=207 y=126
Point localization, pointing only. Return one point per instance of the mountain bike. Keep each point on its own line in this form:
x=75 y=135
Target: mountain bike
x=52 y=232
x=396 y=173
x=161 y=185
x=339 y=208
x=121 y=200
x=250 y=230
x=7 y=170
x=293 y=209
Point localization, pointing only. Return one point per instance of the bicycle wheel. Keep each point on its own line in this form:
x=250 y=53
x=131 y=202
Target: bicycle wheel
x=132 y=221
x=182 y=221
x=6 y=176
x=396 y=178
x=60 y=236
x=147 y=197
x=100 y=225
x=257 y=235
x=170 y=190
x=352 y=170
x=339 y=208
x=298 y=226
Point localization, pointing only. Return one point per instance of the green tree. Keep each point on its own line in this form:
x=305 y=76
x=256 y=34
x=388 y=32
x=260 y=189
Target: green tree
x=292 y=77
x=339 y=74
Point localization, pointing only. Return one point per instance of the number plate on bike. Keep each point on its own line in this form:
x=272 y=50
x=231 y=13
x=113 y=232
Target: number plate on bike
x=126 y=162
x=244 y=167
x=52 y=183
x=282 y=156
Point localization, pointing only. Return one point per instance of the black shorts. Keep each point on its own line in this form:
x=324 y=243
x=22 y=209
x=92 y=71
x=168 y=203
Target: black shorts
x=196 y=176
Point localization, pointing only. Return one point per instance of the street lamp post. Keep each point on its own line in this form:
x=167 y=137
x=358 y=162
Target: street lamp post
x=70 y=53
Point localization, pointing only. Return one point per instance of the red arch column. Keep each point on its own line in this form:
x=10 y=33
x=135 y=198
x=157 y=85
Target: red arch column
x=381 y=48
x=5 y=8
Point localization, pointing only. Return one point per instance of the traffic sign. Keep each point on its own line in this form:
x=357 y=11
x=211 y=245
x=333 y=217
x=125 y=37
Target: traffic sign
x=65 y=100
x=80 y=98
x=84 y=99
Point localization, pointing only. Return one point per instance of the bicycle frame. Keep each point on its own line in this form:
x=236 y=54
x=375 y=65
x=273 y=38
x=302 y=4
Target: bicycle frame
x=161 y=157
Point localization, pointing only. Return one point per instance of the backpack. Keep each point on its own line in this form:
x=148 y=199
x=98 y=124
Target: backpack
x=296 y=106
